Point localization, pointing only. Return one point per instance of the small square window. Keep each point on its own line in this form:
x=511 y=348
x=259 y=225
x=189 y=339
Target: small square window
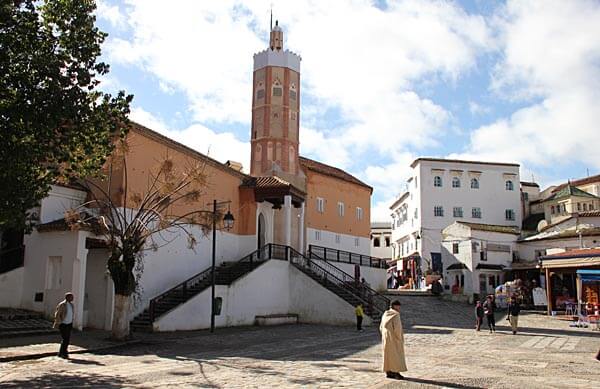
x=454 y=248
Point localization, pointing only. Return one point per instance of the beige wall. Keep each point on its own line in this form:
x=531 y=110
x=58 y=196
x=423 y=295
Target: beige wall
x=144 y=156
x=334 y=190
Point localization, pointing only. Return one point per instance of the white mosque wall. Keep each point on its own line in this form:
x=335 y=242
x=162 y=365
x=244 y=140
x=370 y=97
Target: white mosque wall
x=350 y=243
x=11 y=288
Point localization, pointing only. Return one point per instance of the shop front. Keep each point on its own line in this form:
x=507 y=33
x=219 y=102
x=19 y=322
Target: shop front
x=571 y=280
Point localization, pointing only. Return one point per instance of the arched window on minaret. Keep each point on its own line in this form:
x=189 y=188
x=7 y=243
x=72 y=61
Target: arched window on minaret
x=293 y=92
x=277 y=88
x=258 y=153
x=292 y=160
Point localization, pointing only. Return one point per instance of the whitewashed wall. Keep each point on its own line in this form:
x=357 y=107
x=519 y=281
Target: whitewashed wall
x=377 y=278
x=347 y=242
x=275 y=287
x=59 y=200
x=11 y=288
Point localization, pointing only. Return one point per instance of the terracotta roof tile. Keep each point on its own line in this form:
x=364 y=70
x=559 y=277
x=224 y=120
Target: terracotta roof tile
x=581 y=181
x=331 y=171
x=592 y=252
x=492 y=228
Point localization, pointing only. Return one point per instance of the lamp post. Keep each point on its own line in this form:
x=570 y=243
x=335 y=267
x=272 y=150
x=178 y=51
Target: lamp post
x=228 y=220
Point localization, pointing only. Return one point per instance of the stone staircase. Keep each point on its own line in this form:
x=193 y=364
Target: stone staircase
x=349 y=293
x=225 y=274
x=20 y=322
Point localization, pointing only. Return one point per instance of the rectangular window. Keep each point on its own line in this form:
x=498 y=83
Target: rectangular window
x=454 y=248
x=317 y=235
x=356 y=242
x=438 y=210
x=591 y=206
x=579 y=206
x=337 y=238
x=584 y=206
x=476 y=213
x=509 y=214
x=341 y=209
x=387 y=241
x=359 y=215
x=260 y=94
x=457 y=212
x=483 y=255
x=293 y=94
x=416 y=213
x=277 y=91
x=320 y=205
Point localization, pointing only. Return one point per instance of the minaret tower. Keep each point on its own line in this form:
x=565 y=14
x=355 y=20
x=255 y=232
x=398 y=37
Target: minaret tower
x=275 y=111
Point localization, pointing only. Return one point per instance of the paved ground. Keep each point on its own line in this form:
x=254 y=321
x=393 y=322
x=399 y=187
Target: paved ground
x=442 y=350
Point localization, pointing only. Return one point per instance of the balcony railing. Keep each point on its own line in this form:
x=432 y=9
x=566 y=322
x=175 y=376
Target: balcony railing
x=336 y=255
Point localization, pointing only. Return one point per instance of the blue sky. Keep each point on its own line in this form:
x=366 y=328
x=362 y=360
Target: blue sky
x=383 y=82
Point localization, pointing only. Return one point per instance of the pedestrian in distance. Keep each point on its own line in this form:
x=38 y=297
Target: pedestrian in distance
x=63 y=320
x=489 y=309
x=478 y=315
x=514 y=308
x=359 y=316
x=392 y=336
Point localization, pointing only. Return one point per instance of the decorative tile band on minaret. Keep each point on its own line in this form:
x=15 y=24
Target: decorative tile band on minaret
x=275 y=109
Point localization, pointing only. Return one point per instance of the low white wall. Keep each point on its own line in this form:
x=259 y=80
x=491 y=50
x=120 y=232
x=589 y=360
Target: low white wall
x=315 y=304
x=194 y=314
x=176 y=262
x=275 y=287
x=265 y=291
x=11 y=288
x=375 y=277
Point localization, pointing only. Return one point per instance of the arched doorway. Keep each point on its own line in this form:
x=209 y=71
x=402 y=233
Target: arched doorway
x=261 y=230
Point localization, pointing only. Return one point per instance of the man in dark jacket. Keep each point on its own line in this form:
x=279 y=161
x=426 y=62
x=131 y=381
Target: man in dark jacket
x=489 y=308
x=478 y=315
x=514 y=308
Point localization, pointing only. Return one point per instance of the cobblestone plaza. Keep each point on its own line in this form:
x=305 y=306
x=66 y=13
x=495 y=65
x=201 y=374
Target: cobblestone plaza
x=442 y=351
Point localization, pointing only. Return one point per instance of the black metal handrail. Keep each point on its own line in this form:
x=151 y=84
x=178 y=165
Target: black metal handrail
x=372 y=300
x=188 y=284
x=11 y=259
x=336 y=255
x=372 y=297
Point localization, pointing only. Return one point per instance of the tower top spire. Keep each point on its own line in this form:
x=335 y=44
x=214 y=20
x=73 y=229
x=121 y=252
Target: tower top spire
x=276 y=36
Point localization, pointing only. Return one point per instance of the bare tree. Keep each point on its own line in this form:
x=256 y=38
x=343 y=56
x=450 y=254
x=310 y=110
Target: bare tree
x=134 y=222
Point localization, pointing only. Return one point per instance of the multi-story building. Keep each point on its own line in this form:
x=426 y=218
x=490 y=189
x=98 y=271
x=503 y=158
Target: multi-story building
x=443 y=191
x=381 y=240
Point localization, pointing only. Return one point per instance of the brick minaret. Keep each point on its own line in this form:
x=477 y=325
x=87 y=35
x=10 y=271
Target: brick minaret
x=275 y=110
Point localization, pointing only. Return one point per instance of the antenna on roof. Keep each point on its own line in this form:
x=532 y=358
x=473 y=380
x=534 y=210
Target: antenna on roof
x=271 y=17
x=588 y=171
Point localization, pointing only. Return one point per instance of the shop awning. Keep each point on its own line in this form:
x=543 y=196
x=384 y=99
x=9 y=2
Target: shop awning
x=486 y=266
x=570 y=262
x=457 y=266
x=589 y=275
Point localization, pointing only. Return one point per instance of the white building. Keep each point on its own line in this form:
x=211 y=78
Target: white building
x=441 y=192
x=381 y=240
x=476 y=256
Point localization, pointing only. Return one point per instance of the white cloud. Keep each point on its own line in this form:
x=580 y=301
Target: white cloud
x=551 y=62
x=111 y=13
x=359 y=59
x=220 y=146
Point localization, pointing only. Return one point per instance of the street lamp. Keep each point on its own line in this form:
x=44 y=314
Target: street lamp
x=228 y=220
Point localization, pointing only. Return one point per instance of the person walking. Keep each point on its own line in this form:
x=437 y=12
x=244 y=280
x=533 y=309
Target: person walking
x=359 y=316
x=514 y=308
x=478 y=315
x=392 y=336
x=489 y=308
x=63 y=320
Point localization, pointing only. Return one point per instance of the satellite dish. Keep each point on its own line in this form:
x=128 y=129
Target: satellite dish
x=541 y=225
